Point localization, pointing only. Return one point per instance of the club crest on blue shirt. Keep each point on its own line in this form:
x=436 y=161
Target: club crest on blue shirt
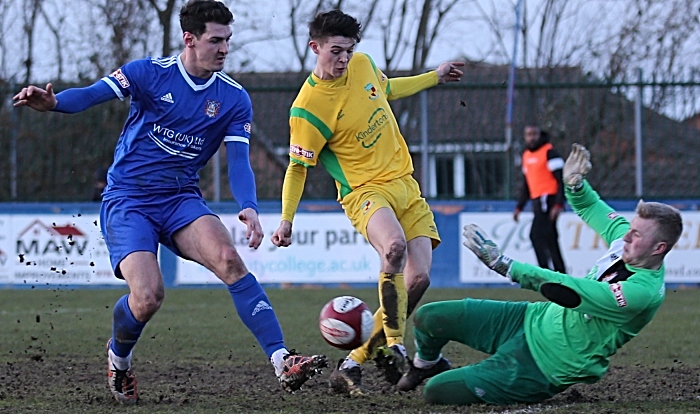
x=372 y=91
x=212 y=108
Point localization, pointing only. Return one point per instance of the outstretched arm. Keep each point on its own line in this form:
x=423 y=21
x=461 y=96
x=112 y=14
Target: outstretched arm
x=69 y=101
x=617 y=302
x=406 y=86
x=586 y=202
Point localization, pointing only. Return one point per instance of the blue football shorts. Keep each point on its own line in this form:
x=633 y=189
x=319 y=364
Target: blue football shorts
x=139 y=223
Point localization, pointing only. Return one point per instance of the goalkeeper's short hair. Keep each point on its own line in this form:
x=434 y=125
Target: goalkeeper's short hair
x=668 y=220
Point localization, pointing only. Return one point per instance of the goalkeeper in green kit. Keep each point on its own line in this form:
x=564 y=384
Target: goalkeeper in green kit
x=539 y=349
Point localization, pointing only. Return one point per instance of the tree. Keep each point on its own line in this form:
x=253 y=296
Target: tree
x=30 y=12
x=658 y=37
x=432 y=18
x=128 y=31
x=165 y=17
x=55 y=16
x=5 y=27
x=400 y=34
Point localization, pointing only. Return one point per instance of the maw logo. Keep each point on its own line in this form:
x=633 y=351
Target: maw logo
x=41 y=240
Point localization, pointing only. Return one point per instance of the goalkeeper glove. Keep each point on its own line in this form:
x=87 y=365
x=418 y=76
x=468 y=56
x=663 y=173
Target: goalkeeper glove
x=576 y=167
x=485 y=249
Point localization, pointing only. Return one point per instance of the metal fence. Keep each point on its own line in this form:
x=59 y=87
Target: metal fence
x=53 y=157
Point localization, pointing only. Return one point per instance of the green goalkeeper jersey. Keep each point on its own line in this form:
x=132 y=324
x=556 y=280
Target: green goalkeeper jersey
x=587 y=320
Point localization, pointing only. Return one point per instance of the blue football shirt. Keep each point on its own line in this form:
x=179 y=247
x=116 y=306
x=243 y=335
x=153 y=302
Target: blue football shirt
x=176 y=123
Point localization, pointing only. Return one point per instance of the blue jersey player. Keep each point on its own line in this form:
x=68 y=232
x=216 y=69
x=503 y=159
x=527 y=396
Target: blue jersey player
x=182 y=108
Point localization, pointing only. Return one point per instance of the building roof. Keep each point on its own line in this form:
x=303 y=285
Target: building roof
x=470 y=117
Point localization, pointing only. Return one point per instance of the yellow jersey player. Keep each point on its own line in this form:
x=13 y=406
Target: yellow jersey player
x=342 y=118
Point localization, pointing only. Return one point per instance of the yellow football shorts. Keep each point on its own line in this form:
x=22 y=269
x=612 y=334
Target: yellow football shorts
x=403 y=196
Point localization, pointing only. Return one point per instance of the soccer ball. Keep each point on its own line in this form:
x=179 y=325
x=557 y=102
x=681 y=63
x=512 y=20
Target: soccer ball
x=346 y=322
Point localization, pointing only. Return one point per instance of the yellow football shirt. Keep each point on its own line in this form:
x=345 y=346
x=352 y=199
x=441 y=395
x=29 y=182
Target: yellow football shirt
x=347 y=125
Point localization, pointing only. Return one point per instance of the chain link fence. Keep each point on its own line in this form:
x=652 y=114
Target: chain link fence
x=53 y=157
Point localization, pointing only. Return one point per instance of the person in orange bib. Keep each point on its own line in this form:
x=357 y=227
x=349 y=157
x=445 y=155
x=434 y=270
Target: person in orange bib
x=542 y=167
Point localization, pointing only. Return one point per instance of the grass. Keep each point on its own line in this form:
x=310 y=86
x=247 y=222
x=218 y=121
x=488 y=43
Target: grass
x=200 y=328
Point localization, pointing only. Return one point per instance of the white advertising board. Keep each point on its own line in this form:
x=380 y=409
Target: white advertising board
x=53 y=249
x=325 y=249
x=580 y=246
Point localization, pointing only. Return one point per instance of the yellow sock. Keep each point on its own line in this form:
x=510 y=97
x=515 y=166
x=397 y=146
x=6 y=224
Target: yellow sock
x=394 y=299
x=377 y=339
x=389 y=325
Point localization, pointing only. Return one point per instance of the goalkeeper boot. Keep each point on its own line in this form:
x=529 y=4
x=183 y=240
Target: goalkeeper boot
x=415 y=376
x=347 y=380
x=298 y=369
x=122 y=383
x=391 y=362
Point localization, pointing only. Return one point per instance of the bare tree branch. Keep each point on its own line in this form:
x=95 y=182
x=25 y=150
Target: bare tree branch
x=55 y=25
x=295 y=15
x=428 y=29
x=394 y=42
x=165 y=17
x=5 y=21
x=30 y=12
x=127 y=22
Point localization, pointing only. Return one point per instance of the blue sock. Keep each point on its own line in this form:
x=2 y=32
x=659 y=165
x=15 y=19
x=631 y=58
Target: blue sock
x=255 y=311
x=125 y=328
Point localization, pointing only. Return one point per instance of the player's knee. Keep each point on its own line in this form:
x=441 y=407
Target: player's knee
x=437 y=391
x=146 y=304
x=396 y=253
x=425 y=316
x=432 y=394
x=418 y=283
x=231 y=265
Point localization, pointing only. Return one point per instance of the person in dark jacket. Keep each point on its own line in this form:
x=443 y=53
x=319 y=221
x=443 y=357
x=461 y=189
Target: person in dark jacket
x=542 y=168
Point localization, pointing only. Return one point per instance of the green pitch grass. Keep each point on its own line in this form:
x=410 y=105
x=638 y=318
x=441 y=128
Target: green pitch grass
x=196 y=356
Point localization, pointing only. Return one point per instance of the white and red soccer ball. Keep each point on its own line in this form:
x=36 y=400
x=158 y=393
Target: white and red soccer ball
x=346 y=322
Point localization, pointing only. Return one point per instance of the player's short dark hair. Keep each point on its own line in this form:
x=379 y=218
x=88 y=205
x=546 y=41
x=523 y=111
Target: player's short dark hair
x=195 y=15
x=334 y=23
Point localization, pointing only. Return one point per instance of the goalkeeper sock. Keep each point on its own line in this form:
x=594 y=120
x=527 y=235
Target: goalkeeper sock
x=394 y=299
x=420 y=363
x=126 y=330
x=255 y=311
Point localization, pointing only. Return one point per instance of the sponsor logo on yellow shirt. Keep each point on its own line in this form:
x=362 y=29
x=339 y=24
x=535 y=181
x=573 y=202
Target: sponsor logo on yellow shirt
x=300 y=152
x=375 y=123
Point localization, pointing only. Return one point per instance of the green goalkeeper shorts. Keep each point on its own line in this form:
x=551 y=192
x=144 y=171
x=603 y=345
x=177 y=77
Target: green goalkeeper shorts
x=510 y=375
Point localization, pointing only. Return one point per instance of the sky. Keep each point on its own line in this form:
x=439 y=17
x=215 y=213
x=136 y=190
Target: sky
x=479 y=30
x=264 y=33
